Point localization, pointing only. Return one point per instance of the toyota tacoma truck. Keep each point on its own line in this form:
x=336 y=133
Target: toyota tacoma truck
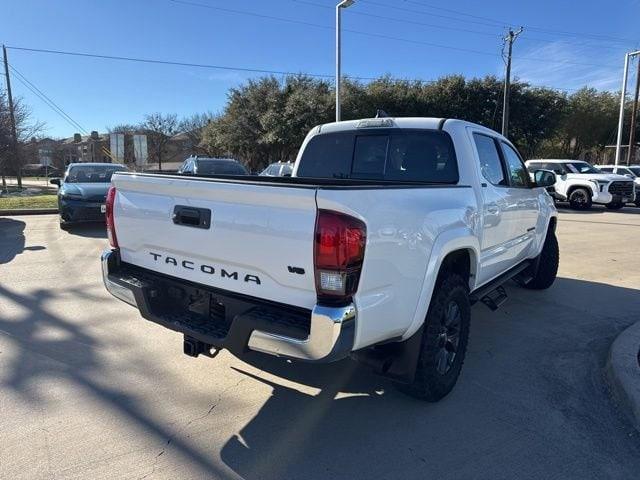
x=375 y=248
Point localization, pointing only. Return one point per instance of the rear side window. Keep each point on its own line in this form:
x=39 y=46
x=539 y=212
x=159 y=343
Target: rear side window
x=407 y=156
x=490 y=163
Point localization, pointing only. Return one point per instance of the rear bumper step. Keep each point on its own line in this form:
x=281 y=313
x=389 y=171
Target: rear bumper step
x=211 y=319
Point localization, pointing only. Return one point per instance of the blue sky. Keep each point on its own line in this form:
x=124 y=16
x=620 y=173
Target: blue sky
x=98 y=93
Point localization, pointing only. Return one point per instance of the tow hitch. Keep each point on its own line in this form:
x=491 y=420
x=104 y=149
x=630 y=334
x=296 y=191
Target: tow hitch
x=193 y=348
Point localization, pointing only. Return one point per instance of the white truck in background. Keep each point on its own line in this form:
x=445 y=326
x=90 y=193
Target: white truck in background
x=582 y=184
x=629 y=171
x=375 y=248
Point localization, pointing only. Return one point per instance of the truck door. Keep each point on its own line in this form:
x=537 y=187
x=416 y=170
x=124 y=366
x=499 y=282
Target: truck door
x=524 y=205
x=498 y=209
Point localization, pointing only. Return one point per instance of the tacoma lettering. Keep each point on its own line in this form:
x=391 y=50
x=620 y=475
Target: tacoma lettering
x=204 y=268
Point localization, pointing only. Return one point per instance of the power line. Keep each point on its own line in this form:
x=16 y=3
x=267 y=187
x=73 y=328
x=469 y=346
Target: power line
x=502 y=23
x=42 y=96
x=528 y=38
x=195 y=65
x=401 y=20
x=377 y=35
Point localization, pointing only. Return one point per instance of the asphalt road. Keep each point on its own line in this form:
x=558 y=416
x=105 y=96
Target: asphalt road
x=89 y=390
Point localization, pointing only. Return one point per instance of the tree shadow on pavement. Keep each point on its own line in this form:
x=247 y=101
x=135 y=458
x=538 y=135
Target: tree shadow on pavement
x=12 y=239
x=72 y=356
x=531 y=403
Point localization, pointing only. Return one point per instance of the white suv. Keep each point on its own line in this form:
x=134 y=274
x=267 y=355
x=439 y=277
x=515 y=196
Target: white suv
x=581 y=184
x=629 y=171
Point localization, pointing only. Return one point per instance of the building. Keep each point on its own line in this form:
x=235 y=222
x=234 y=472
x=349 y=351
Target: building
x=85 y=148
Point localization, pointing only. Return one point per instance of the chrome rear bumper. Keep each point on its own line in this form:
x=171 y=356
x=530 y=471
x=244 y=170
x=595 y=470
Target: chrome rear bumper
x=331 y=329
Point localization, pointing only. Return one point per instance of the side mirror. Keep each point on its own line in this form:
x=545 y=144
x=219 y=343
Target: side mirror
x=544 y=178
x=55 y=181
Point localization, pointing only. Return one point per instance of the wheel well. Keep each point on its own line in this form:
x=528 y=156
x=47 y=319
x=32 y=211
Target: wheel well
x=458 y=261
x=552 y=224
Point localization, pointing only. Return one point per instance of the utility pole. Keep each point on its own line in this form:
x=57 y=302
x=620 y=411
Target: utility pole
x=509 y=39
x=634 y=113
x=623 y=96
x=339 y=7
x=12 y=118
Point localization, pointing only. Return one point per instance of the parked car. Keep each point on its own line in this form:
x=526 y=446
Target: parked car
x=82 y=192
x=278 y=169
x=375 y=248
x=38 y=170
x=630 y=171
x=582 y=185
x=204 y=166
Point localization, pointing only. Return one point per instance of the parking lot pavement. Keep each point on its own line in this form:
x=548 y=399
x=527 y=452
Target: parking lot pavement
x=89 y=390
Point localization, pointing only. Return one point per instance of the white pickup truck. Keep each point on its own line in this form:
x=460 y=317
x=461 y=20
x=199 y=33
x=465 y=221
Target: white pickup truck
x=582 y=184
x=375 y=248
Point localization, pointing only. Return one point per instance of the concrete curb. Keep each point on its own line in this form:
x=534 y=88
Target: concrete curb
x=30 y=211
x=623 y=372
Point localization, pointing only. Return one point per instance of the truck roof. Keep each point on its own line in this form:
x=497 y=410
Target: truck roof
x=430 y=123
x=554 y=160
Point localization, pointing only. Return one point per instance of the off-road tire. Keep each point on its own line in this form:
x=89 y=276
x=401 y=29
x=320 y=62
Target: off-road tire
x=580 y=199
x=429 y=384
x=547 y=264
x=614 y=206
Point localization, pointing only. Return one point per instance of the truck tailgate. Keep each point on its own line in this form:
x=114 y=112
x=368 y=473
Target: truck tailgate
x=259 y=240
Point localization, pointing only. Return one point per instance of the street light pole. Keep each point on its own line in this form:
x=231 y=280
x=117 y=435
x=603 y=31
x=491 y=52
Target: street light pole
x=339 y=7
x=623 y=96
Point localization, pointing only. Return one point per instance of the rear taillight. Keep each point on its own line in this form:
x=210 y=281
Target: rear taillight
x=111 y=226
x=339 y=252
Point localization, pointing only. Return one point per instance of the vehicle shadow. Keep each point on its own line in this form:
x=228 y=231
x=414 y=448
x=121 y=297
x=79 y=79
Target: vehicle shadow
x=88 y=230
x=515 y=380
x=12 y=239
x=531 y=382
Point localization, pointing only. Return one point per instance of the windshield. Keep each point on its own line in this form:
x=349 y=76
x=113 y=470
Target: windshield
x=635 y=171
x=581 y=167
x=220 y=168
x=92 y=173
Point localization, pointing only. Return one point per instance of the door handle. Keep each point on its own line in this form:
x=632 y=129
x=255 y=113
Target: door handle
x=191 y=216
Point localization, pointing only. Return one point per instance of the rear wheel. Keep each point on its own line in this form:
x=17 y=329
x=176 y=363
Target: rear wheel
x=547 y=264
x=580 y=199
x=444 y=341
x=614 y=206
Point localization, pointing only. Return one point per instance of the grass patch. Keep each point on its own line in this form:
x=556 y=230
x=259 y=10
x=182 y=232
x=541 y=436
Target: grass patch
x=35 y=201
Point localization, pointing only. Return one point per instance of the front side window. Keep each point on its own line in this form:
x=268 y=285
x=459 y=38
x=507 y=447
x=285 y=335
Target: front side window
x=490 y=163
x=517 y=172
x=635 y=171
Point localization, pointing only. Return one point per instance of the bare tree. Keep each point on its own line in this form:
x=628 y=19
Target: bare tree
x=193 y=127
x=159 y=129
x=26 y=128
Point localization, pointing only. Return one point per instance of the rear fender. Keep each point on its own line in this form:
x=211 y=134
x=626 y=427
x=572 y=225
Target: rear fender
x=447 y=242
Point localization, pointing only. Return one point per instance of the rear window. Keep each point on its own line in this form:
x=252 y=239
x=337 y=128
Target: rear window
x=425 y=156
x=220 y=168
